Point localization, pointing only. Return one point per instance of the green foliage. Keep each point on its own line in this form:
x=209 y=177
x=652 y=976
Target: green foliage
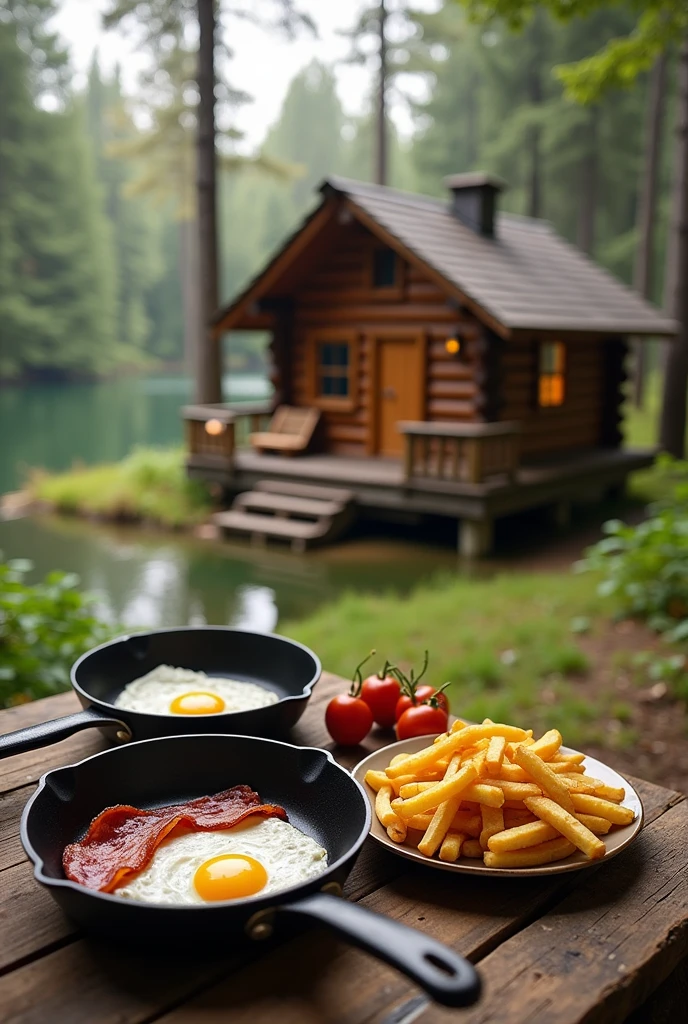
x=644 y=568
x=150 y=484
x=656 y=25
x=56 y=296
x=577 y=167
x=44 y=628
x=504 y=643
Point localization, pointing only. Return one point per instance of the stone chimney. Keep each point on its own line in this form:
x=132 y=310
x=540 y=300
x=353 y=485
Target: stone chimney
x=474 y=200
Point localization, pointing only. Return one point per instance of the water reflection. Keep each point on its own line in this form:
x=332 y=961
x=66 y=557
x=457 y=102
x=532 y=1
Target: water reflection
x=53 y=426
x=149 y=580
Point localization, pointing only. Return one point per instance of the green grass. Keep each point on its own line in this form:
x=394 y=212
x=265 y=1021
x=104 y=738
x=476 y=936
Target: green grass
x=641 y=430
x=505 y=644
x=149 y=485
x=642 y=425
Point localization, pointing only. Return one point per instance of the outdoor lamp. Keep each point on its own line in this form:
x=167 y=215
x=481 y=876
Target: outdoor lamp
x=452 y=346
x=215 y=427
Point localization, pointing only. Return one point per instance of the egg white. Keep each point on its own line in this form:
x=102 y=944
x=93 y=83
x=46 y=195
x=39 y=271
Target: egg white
x=153 y=693
x=288 y=856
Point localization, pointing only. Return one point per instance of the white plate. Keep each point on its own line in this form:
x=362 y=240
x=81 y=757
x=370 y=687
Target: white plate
x=615 y=841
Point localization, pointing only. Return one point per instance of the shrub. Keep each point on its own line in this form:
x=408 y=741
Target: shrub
x=150 y=484
x=644 y=568
x=43 y=629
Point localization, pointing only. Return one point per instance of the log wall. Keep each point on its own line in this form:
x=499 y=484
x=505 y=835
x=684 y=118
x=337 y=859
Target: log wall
x=590 y=389
x=341 y=295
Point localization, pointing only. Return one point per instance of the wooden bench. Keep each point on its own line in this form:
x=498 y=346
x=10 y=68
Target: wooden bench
x=604 y=945
x=290 y=431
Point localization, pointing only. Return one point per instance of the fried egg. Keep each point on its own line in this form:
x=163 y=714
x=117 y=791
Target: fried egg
x=179 y=691
x=259 y=856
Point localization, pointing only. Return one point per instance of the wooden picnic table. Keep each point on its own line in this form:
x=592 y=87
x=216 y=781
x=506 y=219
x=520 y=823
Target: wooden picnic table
x=607 y=944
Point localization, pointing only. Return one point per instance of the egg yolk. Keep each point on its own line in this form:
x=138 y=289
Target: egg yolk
x=229 y=877
x=197 y=703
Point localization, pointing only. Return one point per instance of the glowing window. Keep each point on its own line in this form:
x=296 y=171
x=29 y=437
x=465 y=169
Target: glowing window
x=551 y=376
x=332 y=369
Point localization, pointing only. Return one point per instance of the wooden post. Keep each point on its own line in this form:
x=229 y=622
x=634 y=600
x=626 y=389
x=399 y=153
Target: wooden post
x=474 y=451
x=409 y=440
x=561 y=513
x=476 y=537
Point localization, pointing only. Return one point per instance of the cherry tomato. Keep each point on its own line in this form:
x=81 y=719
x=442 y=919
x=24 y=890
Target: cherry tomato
x=348 y=720
x=381 y=696
x=421 y=720
x=423 y=693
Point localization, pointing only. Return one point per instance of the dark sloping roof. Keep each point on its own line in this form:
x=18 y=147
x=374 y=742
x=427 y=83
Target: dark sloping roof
x=527 y=277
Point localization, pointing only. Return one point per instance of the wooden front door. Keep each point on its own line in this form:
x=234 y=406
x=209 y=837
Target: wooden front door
x=400 y=390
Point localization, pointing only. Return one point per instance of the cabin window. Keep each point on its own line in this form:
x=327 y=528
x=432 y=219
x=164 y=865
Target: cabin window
x=333 y=363
x=385 y=268
x=551 y=376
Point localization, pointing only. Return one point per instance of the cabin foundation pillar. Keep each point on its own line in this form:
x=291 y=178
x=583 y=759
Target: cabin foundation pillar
x=561 y=514
x=476 y=537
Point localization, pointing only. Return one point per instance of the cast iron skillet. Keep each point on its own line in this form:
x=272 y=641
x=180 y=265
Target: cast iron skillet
x=279 y=664
x=321 y=799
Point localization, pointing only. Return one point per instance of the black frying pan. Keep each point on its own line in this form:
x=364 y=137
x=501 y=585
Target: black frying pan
x=282 y=665
x=321 y=799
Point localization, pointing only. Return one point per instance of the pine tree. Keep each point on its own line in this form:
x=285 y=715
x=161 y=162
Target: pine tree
x=163 y=25
x=137 y=264
x=56 y=294
x=656 y=28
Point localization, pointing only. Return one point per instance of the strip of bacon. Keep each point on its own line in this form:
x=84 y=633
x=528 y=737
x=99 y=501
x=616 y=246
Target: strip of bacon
x=121 y=840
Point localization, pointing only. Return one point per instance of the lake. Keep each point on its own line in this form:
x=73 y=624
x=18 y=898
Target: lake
x=150 y=579
x=52 y=426
x=143 y=579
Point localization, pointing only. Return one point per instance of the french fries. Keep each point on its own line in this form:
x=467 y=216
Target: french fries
x=494 y=792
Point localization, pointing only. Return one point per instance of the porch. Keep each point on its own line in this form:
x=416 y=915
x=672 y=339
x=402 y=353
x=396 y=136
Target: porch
x=472 y=472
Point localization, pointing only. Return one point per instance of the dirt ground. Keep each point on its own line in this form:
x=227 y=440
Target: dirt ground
x=660 y=753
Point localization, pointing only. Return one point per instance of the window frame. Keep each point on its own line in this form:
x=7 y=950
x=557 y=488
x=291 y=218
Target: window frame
x=332 y=403
x=541 y=374
x=393 y=291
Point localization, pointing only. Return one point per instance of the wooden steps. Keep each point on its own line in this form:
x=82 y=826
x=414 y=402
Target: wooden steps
x=299 y=513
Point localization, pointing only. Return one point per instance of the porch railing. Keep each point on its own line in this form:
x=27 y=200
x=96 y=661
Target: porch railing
x=460 y=453
x=214 y=432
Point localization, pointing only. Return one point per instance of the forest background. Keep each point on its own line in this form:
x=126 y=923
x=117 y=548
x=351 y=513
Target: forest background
x=97 y=186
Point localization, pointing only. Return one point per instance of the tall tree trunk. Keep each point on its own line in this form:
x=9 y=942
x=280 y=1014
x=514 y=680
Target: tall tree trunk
x=209 y=361
x=471 y=155
x=188 y=281
x=673 y=422
x=535 y=98
x=588 y=207
x=534 y=134
x=381 y=154
x=647 y=209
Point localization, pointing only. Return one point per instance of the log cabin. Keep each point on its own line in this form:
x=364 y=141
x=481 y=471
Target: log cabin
x=461 y=361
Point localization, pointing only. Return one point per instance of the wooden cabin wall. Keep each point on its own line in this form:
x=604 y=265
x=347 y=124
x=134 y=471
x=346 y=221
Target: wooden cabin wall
x=581 y=422
x=340 y=295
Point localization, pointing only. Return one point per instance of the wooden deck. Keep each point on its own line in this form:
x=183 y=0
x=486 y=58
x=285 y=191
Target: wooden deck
x=380 y=484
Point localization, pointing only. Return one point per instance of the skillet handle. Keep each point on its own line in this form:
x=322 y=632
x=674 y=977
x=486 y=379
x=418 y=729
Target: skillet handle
x=45 y=733
x=446 y=976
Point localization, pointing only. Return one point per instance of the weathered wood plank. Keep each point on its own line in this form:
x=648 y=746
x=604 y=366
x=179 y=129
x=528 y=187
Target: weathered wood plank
x=601 y=952
x=82 y=981
x=471 y=915
x=660 y=1008
x=30 y=920
x=28 y=768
